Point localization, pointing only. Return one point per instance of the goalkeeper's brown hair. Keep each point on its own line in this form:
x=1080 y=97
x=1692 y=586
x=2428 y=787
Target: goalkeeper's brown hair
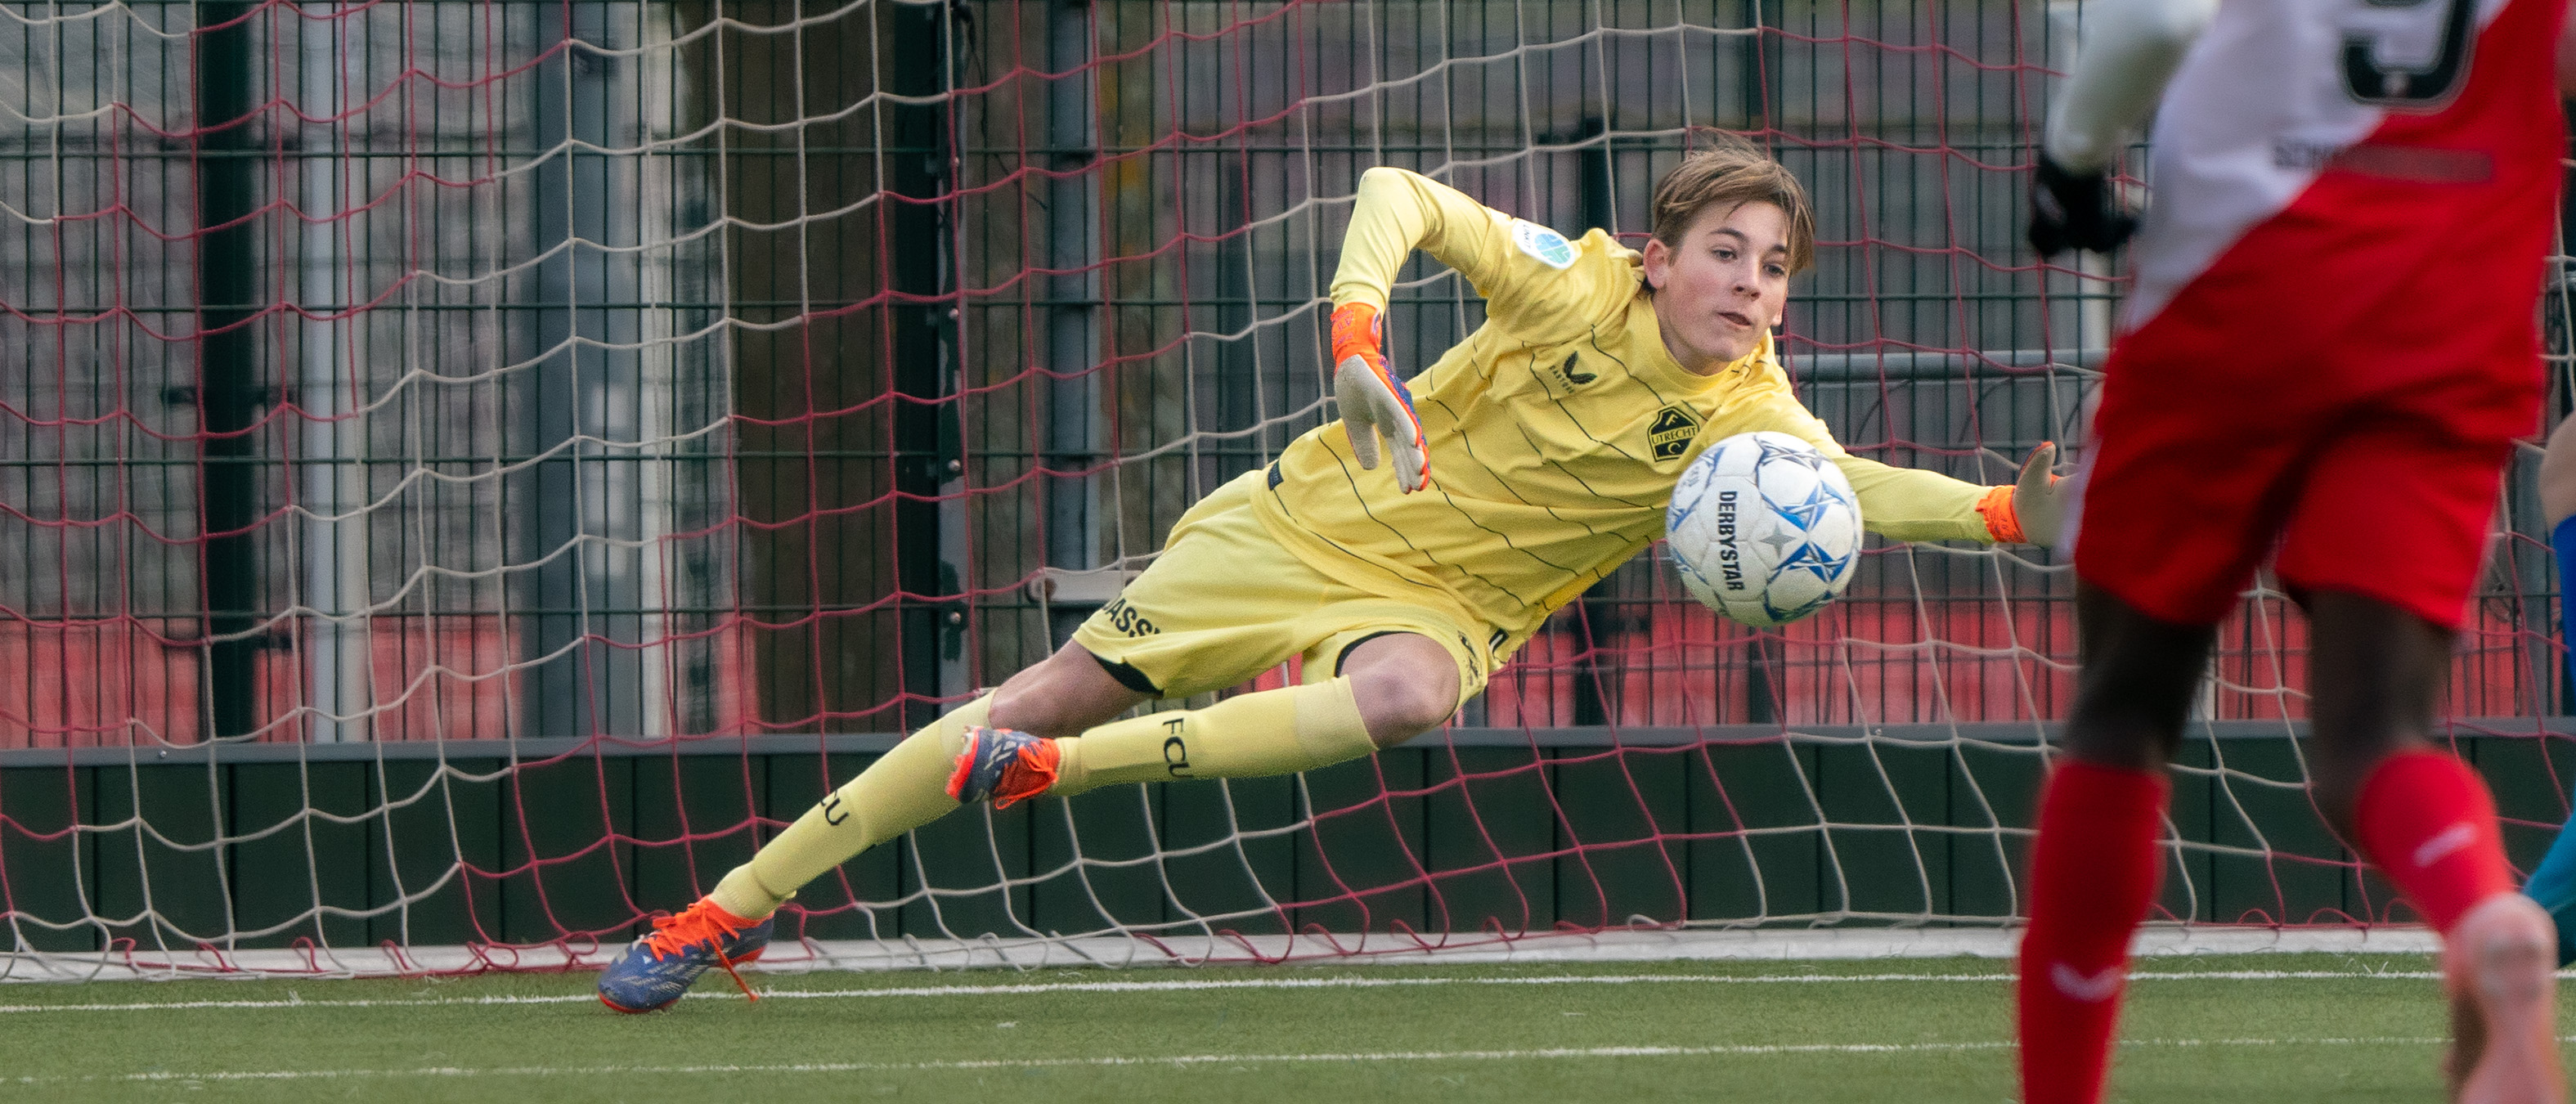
x=1727 y=172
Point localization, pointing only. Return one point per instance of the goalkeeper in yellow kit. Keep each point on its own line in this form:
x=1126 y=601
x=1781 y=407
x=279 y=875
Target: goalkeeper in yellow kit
x=1405 y=551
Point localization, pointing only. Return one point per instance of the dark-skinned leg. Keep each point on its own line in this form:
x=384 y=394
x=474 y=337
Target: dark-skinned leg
x=2094 y=866
x=2376 y=672
x=2427 y=821
x=2137 y=683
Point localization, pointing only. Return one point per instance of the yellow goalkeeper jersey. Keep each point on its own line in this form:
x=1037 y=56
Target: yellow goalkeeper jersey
x=1555 y=432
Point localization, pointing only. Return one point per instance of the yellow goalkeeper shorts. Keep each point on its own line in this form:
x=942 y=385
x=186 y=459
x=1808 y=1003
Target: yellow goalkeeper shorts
x=1226 y=602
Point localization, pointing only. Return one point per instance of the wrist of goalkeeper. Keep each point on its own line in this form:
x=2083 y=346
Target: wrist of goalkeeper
x=2033 y=508
x=2003 y=523
x=1358 y=332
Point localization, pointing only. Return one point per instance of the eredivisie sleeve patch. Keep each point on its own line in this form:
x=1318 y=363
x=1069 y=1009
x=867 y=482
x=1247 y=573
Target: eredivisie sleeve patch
x=1547 y=245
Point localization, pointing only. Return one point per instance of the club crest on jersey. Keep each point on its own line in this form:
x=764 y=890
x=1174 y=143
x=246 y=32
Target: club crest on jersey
x=1671 y=434
x=1547 y=245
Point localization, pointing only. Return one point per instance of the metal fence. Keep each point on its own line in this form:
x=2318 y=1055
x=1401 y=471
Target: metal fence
x=481 y=369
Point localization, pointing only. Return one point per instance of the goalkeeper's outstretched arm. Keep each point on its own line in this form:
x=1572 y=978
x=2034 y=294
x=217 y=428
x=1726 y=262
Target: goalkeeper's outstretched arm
x=1912 y=504
x=1394 y=213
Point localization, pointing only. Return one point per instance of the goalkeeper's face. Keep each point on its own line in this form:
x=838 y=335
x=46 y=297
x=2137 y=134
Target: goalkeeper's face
x=1723 y=286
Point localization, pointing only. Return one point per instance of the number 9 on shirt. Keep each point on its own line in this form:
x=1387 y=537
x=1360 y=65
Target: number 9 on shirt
x=1764 y=529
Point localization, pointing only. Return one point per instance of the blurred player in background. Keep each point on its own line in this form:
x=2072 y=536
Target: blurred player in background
x=2329 y=354
x=2554 y=883
x=1405 y=551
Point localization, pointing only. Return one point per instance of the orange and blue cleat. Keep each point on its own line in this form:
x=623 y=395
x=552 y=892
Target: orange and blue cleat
x=1004 y=766
x=655 y=970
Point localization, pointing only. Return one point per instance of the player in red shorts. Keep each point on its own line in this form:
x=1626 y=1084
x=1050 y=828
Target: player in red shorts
x=2329 y=353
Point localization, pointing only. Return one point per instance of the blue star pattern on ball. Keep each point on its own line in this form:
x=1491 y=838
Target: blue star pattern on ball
x=1809 y=560
x=1775 y=452
x=1796 y=612
x=1820 y=498
x=1812 y=560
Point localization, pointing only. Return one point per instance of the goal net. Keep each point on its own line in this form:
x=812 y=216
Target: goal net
x=469 y=472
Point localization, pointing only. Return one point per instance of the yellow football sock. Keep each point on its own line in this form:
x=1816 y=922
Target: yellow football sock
x=1268 y=732
x=903 y=790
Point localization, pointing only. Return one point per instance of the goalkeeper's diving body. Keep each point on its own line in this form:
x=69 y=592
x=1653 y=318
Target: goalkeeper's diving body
x=1405 y=551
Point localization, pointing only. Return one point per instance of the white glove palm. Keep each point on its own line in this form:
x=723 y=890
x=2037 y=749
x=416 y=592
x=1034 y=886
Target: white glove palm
x=1374 y=403
x=2041 y=498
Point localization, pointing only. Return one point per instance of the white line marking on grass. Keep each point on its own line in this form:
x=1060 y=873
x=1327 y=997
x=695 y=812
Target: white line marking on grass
x=1201 y=985
x=1184 y=1060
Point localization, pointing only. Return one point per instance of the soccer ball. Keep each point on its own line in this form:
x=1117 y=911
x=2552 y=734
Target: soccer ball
x=1764 y=529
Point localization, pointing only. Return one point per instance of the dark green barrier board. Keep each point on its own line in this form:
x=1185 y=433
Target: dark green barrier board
x=1484 y=830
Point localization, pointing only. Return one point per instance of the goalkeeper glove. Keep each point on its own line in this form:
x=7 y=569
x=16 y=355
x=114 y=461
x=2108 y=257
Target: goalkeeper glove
x=2072 y=211
x=1373 y=401
x=2033 y=509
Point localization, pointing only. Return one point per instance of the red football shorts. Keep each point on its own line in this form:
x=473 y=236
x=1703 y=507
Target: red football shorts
x=2357 y=468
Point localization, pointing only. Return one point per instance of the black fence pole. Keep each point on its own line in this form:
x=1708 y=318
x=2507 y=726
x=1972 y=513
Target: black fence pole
x=543 y=414
x=226 y=160
x=918 y=160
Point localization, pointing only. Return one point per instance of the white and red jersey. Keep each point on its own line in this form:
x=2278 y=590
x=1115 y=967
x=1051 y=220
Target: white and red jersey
x=2332 y=342
x=2368 y=167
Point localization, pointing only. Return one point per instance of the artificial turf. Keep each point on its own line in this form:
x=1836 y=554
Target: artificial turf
x=1914 y=1031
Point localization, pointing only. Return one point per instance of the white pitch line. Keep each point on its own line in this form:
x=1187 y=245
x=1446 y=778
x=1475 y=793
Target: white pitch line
x=1183 y=986
x=1181 y=1060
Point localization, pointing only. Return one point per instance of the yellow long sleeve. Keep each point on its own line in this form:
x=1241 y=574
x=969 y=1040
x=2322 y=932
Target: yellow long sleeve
x=1913 y=504
x=1519 y=267
x=1896 y=503
x=1394 y=213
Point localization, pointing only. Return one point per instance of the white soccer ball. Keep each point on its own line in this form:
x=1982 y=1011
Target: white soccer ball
x=1764 y=529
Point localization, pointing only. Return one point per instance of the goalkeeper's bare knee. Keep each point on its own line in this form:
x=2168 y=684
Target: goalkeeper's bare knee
x=1406 y=684
x=1061 y=696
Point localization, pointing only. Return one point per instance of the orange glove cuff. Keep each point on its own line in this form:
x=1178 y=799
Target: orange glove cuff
x=2002 y=522
x=1355 y=332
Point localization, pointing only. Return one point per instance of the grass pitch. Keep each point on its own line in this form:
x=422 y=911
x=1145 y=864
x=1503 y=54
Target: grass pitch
x=2274 y=1027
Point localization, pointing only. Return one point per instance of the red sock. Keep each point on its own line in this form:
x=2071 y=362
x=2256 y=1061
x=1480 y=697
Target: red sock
x=2427 y=822
x=2093 y=872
